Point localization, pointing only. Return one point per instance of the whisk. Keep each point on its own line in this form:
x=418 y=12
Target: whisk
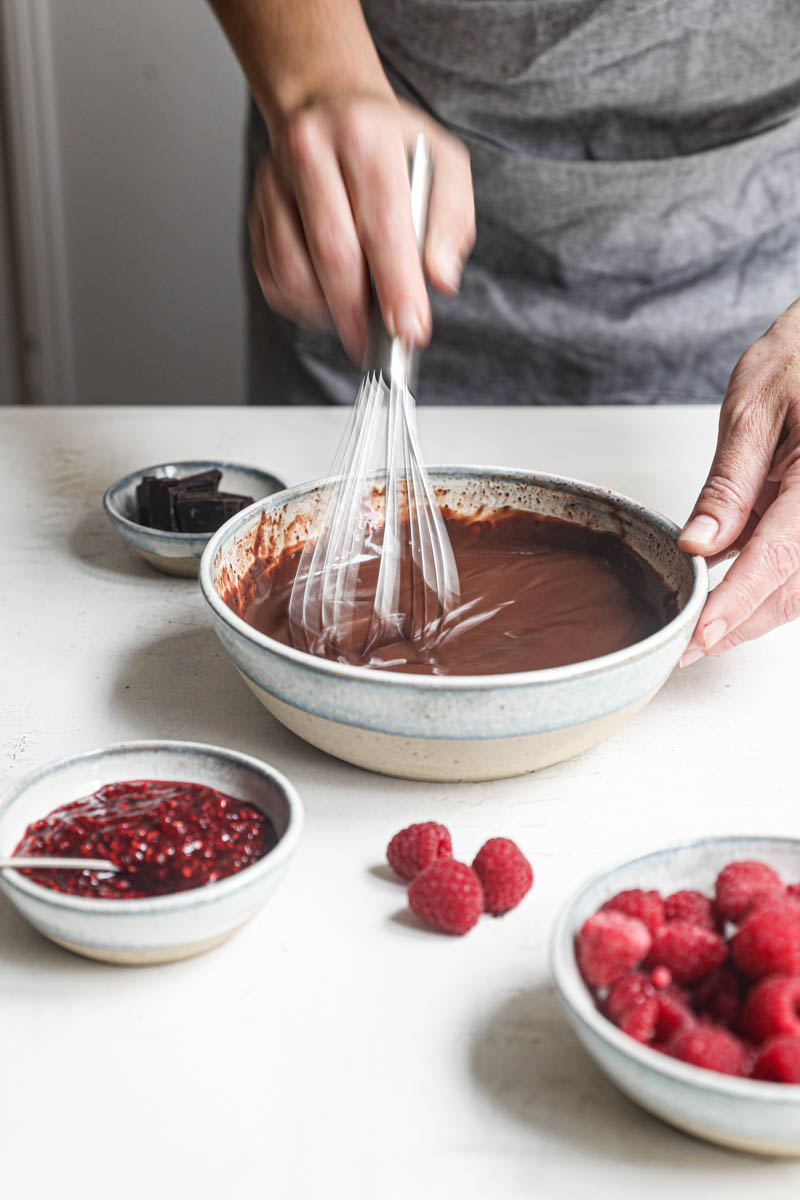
x=417 y=581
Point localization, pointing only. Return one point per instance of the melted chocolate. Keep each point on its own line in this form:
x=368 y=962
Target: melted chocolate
x=535 y=593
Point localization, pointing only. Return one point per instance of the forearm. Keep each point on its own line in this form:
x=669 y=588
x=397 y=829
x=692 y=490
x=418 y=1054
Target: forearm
x=295 y=51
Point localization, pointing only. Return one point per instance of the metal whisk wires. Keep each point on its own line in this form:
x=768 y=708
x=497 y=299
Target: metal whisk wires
x=379 y=502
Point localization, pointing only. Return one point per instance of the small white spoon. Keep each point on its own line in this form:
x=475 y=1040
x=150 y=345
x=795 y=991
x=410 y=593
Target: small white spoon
x=59 y=864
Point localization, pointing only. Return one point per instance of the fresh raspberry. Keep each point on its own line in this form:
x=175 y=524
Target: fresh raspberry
x=768 y=942
x=504 y=872
x=709 y=1046
x=772 y=1008
x=739 y=882
x=674 y=1012
x=647 y=906
x=778 y=1061
x=416 y=847
x=690 y=951
x=719 y=996
x=632 y=1005
x=447 y=894
x=690 y=908
x=609 y=945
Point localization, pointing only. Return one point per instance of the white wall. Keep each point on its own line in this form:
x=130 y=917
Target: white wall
x=150 y=104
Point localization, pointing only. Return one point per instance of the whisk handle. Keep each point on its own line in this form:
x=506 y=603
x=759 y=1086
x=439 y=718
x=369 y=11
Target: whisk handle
x=392 y=356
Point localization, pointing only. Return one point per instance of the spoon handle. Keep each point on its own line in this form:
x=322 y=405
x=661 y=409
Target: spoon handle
x=59 y=864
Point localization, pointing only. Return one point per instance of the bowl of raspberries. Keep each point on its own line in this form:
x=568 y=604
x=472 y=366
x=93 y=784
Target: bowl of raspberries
x=680 y=973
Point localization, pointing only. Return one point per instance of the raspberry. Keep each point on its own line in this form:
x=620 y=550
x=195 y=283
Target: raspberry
x=739 y=882
x=505 y=874
x=768 y=942
x=691 y=908
x=673 y=1012
x=661 y=977
x=690 y=951
x=448 y=895
x=778 y=1061
x=773 y=1008
x=416 y=847
x=647 y=906
x=793 y=892
x=632 y=1005
x=609 y=945
x=709 y=1046
x=719 y=996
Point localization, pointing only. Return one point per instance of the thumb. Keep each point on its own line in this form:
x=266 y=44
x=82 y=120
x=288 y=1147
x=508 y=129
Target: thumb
x=734 y=483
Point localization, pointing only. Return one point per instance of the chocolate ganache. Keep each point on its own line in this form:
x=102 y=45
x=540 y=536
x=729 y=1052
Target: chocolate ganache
x=536 y=592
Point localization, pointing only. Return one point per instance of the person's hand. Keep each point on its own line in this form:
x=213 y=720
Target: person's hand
x=750 y=503
x=333 y=200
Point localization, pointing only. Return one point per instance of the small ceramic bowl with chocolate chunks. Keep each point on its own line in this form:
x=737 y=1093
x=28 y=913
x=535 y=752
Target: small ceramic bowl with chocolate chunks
x=167 y=513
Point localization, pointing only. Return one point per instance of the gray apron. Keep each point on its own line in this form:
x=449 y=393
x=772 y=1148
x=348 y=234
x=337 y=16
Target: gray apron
x=637 y=182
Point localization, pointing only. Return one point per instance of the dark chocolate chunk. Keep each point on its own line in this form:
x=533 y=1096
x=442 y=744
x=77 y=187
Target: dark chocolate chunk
x=201 y=482
x=200 y=513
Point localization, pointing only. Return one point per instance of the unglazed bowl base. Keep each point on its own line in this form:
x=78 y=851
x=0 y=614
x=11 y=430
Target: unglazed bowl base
x=142 y=958
x=445 y=760
x=187 y=567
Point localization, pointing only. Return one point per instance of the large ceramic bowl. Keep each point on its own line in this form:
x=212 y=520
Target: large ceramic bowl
x=744 y=1113
x=456 y=727
x=140 y=932
x=178 y=553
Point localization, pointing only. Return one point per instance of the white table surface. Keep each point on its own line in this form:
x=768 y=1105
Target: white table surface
x=332 y=1048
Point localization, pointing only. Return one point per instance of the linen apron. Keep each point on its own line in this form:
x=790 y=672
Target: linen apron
x=636 y=167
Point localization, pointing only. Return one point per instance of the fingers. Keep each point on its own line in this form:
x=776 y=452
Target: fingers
x=778 y=609
x=330 y=232
x=451 y=216
x=376 y=176
x=287 y=253
x=744 y=453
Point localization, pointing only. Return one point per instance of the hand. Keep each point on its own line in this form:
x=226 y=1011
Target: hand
x=750 y=504
x=333 y=201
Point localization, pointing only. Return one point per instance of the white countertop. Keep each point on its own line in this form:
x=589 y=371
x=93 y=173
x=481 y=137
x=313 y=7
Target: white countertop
x=332 y=1048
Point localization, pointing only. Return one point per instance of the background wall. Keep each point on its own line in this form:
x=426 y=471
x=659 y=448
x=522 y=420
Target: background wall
x=149 y=108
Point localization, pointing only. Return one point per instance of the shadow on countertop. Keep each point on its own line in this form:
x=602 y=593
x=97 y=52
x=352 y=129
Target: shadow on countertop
x=528 y=1062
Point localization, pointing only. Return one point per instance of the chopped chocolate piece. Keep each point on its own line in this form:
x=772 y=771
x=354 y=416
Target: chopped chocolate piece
x=201 y=482
x=200 y=513
x=189 y=505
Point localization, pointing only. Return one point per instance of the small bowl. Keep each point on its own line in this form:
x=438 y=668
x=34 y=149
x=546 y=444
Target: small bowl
x=746 y=1114
x=456 y=727
x=178 y=553
x=162 y=928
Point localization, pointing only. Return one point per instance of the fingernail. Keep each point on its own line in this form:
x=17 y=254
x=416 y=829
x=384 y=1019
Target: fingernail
x=714 y=632
x=701 y=530
x=449 y=265
x=405 y=322
x=690 y=656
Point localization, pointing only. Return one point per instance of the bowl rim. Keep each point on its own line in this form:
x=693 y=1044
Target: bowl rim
x=577 y=1001
x=111 y=495
x=172 y=901
x=516 y=679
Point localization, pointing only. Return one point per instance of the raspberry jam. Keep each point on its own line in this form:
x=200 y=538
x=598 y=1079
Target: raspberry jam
x=164 y=836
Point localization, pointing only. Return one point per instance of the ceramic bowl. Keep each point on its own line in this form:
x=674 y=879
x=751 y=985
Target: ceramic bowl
x=456 y=727
x=742 y=1113
x=164 y=928
x=178 y=553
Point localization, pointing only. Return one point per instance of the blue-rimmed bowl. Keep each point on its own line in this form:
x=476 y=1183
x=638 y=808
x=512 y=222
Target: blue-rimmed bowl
x=164 y=928
x=178 y=553
x=743 y=1113
x=455 y=727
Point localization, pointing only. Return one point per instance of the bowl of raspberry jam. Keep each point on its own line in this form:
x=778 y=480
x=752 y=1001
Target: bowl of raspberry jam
x=198 y=836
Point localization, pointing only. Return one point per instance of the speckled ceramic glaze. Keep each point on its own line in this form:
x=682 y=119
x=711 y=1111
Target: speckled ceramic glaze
x=742 y=1113
x=455 y=727
x=164 y=928
x=178 y=553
